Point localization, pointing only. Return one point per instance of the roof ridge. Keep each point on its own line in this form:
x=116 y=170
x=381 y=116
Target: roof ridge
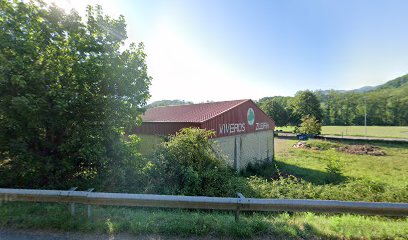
x=240 y=102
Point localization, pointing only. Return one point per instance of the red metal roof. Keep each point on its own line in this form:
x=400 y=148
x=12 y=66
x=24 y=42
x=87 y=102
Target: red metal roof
x=197 y=113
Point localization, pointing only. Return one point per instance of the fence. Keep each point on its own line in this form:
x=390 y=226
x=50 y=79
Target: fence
x=197 y=202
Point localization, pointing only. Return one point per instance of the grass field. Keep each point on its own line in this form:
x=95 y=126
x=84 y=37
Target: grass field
x=391 y=169
x=364 y=178
x=372 y=131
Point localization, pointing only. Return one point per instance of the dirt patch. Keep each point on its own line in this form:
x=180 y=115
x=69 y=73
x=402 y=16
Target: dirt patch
x=362 y=150
x=301 y=144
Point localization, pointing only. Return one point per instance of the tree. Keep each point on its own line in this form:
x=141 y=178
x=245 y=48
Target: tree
x=68 y=94
x=188 y=165
x=310 y=125
x=305 y=103
x=275 y=109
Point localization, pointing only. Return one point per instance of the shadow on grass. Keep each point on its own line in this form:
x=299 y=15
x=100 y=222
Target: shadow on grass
x=278 y=169
x=310 y=175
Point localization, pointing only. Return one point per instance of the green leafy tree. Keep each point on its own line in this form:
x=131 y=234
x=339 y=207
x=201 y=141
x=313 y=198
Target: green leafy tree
x=276 y=110
x=310 y=125
x=69 y=90
x=305 y=103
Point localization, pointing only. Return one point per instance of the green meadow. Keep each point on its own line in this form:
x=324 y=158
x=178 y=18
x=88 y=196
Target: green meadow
x=372 y=131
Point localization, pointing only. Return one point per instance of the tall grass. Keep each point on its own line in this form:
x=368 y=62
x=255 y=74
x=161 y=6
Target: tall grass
x=183 y=223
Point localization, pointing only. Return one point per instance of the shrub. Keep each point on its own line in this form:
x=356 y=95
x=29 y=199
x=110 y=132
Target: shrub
x=310 y=125
x=323 y=145
x=188 y=165
x=334 y=166
x=352 y=190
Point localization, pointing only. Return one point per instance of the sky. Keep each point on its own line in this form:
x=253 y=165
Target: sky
x=212 y=50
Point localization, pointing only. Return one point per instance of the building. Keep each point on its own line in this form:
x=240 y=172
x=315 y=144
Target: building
x=244 y=133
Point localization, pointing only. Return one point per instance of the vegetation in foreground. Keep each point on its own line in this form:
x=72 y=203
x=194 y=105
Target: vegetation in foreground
x=184 y=223
x=322 y=172
x=318 y=173
x=70 y=89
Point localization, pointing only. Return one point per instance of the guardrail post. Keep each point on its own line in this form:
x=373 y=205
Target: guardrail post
x=89 y=205
x=240 y=197
x=72 y=205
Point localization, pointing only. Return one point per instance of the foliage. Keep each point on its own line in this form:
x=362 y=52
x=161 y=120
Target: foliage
x=386 y=105
x=276 y=110
x=188 y=165
x=334 y=166
x=309 y=125
x=323 y=145
x=352 y=190
x=69 y=91
x=305 y=103
x=395 y=83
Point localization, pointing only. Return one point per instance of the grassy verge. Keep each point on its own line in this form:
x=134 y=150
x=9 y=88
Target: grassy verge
x=184 y=223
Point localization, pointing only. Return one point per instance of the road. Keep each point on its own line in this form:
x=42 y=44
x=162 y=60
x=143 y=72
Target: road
x=14 y=234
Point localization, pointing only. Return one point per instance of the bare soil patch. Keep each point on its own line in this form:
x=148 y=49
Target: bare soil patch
x=301 y=144
x=362 y=150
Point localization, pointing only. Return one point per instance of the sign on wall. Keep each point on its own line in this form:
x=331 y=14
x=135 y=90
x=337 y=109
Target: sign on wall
x=252 y=124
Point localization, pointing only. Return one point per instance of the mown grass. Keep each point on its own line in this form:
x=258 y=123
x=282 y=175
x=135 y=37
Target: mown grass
x=183 y=223
x=372 y=131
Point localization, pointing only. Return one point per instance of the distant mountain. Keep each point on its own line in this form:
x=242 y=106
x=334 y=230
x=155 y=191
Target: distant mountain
x=364 y=89
x=396 y=83
x=392 y=84
x=163 y=103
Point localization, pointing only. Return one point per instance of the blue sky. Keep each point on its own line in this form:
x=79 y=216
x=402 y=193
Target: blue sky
x=224 y=50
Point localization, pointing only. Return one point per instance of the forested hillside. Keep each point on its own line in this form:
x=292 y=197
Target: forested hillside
x=386 y=104
x=162 y=103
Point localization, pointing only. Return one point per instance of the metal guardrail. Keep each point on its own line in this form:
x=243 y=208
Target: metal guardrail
x=197 y=202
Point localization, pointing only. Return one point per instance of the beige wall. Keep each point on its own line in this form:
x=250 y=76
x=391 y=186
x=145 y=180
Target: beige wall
x=149 y=143
x=238 y=150
x=242 y=149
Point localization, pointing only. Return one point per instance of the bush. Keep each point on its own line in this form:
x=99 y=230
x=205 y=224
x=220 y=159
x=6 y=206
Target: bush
x=333 y=166
x=310 y=125
x=352 y=190
x=188 y=165
x=323 y=145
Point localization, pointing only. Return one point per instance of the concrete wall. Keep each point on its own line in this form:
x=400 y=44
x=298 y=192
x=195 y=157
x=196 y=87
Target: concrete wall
x=149 y=143
x=239 y=150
